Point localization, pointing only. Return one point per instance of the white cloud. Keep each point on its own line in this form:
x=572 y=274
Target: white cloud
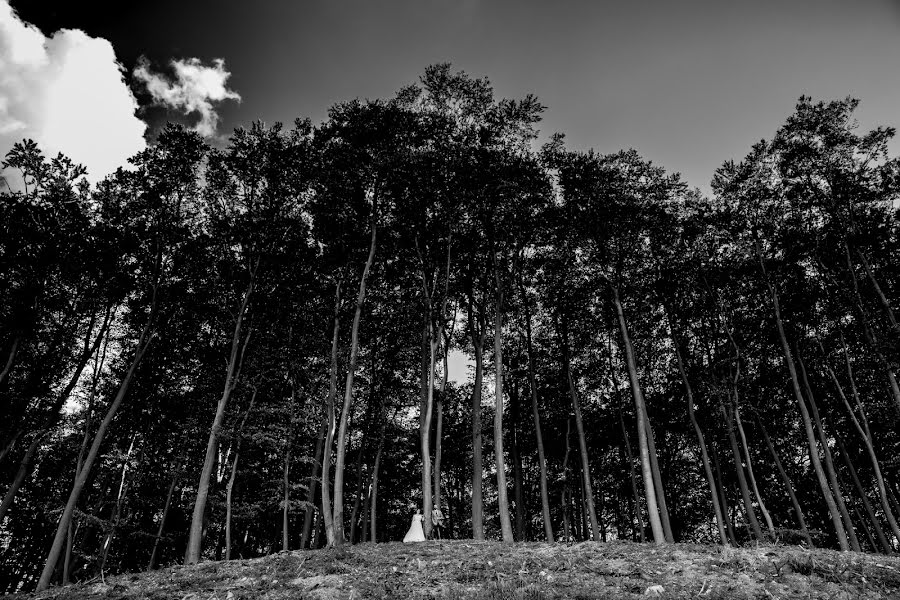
x=195 y=89
x=67 y=93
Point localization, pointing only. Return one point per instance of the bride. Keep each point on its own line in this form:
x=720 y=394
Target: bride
x=415 y=533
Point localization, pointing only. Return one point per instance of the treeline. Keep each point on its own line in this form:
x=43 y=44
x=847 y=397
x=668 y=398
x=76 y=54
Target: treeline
x=221 y=353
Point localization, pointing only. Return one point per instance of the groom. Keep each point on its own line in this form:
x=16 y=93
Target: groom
x=437 y=523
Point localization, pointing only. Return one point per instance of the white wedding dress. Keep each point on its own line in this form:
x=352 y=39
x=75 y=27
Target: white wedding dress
x=415 y=533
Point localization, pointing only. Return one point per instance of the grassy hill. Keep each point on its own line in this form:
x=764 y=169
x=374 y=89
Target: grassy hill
x=529 y=571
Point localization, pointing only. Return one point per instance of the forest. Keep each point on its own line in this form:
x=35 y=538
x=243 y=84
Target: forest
x=226 y=352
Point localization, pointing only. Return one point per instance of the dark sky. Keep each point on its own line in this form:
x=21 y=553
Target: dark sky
x=688 y=83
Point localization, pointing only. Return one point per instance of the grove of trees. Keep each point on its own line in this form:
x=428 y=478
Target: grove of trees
x=221 y=353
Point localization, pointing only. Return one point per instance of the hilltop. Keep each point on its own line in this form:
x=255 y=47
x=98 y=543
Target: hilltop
x=528 y=571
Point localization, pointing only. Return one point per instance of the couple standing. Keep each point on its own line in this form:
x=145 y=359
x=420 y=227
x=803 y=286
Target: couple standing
x=416 y=534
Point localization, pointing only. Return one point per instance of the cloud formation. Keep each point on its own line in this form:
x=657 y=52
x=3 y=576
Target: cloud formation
x=195 y=89
x=67 y=93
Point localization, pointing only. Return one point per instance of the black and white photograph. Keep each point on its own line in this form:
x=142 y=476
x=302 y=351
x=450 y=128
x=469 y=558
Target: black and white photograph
x=449 y=299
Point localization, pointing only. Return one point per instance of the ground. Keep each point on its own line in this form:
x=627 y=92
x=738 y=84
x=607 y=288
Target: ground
x=462 y=569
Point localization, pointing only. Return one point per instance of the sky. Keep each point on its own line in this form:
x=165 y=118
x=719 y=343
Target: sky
x=689 y=84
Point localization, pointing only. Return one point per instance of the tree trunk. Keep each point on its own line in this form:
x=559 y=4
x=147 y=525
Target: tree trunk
x=56 y=548
x=100 y=360
x=313 y=481
x=723 y=498
x=646 y=470
x=542 y=459
x=518 y=492
x=10 y=359
x=117 y=510
x=881 y=297
x=873 y=518
x=739 y=470
x=788 y=484
x=162 y=521
x=707 y=469
x=53 y=416
x=439 y=430
x=477 y=444
x=22 y=473
x=752 y=477
x=327 y=515
x=890 y=373
x=829 y=462
x=376 y=470
x=361 y=451
x=567 y=533
x=425 y=418
x=657 y=479
x=499 y=459
x=195 y=539
x=582 y=442
x=864 y=433
x=286 y=476
x=801 y=404
x=348 y=390
x=636 y=498
x=229 y=488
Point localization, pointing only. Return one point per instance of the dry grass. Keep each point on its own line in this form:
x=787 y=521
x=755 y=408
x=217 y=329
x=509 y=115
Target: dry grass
x=456 y=570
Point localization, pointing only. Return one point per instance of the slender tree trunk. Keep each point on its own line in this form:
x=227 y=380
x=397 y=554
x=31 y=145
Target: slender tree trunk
x=863 y=430
x=881 y=297
x=229 y=488
x=636 y=498
x=870 y=512
x=801 y=404
x=327 y=515
x=117 y=510
x=10 y=443
x=348 y=390
x=646 y=469
x=162 y=521
x=10 y=359
x=313 y=481
x=367 y=499
x=439 y=431
x=433 y=334
x=499 y=459
x=707 y=469
x=361 y=451
x=752 y=477
x=788 y=484
x=100 y=360
x=724 y=499
x=53 y=416
x=582 y=510
x=56 y=548
x=567 y=533
x=739 y=470
x=22 y=473
x=235 y=361
x=542 y=459
x=425 y=419
x=890 y=373
x=860 y=519
x=518 y=492
x=582 y=442
x=657 y=479
x=376 y=470
x=286 y=479
x=829 y=461
x=438 y=437
x=477 y=444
